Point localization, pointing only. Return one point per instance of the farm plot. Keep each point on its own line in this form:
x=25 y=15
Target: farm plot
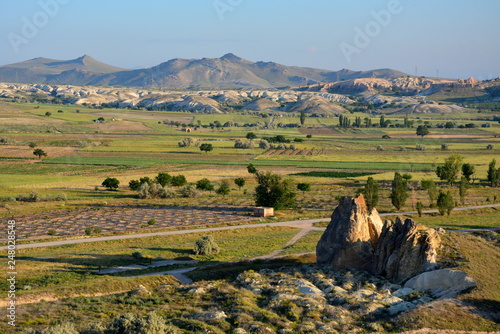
x=125 y=218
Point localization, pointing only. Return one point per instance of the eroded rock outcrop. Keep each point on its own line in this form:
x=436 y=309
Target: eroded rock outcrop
x=357 y=239
x=351 y=236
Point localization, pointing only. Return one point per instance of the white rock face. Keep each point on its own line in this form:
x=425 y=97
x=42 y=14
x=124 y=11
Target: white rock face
x=443 y=283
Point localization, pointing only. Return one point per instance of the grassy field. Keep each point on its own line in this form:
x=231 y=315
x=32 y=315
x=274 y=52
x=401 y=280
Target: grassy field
x=63 y=267
x=80 y=155
x=131 y=144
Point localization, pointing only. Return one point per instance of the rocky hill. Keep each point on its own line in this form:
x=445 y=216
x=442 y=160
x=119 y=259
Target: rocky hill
x=210 y=101
x=228 y=71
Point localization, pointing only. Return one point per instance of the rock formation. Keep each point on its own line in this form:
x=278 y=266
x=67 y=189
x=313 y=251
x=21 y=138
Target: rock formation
x=405 y=249
x=351 y=236
x=356 y=239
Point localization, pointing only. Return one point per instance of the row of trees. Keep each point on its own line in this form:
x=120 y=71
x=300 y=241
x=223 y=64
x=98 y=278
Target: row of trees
x=443 y=200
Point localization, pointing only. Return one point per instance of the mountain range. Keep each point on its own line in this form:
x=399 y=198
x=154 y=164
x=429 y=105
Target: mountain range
x=227 y=72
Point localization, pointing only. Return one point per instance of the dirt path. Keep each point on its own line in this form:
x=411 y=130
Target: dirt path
x=295 y=223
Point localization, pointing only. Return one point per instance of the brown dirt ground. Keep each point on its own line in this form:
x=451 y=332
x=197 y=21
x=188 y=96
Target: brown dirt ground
x=26 y=152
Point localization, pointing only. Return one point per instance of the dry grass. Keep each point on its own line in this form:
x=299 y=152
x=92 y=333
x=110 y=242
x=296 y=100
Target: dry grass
x=119 y=126
x=478 y=310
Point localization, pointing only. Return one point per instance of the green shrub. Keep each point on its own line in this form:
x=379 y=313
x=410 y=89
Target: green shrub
x=64 y=328
x=32 y=197
x=206 y=246
x=61 y=197
x=190 y=192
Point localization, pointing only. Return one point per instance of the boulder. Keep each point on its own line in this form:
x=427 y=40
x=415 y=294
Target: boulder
x=349 y=239
x=443 y=283
x=357 y=239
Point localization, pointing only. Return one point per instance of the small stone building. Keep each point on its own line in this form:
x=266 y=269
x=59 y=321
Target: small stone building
x=263 y=212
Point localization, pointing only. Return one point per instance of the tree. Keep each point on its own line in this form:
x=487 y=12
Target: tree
x=468 y=170
x=251 y=136
x=368 y=122
x=449 y=171
x=204 y=184
x=370 y=191
x=430 y=186
x=111 y=183
x=304 y=187
x=399 y=193
x=224 y=188
x=445 y=203
x=32 y=144
x=274 y=191
x=382 y=121
x=420 y=208
x=146 y=179
x=251 y=169
x=493 y=173
x=462 y=188
x=303 y=117
x=178 y=181
x=163 y=179
x=422 y=130
x=39 y=153
x=206 y=246
x=240 y=182
x=205 y=147
x=134 y=185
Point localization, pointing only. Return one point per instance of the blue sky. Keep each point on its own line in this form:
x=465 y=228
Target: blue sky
x=460 y=38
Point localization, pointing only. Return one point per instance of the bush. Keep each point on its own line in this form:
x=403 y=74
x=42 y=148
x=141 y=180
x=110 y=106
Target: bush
x=205 y=184
x=420 y=147
x=91 y=230
x=190 y=192
x=155 y=190
x=206 y=246
x=32 y=197
x=244 y=144
x=178 y=181
x=144 y=191
x=128 y=323
x=163 y=179
x=264 y=144
x=137 y=255
x=187 y=142
x=224 y=188
x=134 y=185
x=64 y=328
x=61 y=197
